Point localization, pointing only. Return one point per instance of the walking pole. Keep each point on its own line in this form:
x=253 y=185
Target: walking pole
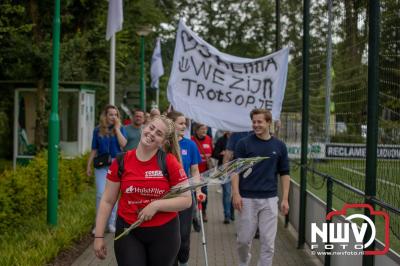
x=203 y=236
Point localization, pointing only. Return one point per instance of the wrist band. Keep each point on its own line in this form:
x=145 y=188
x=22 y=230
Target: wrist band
x=99 y=237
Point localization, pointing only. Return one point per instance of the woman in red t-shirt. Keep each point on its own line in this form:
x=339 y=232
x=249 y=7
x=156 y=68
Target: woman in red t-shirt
x=205 y=146
x=142 y=185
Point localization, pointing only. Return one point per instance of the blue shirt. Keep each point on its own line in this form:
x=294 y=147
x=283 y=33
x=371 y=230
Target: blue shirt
x=189 y=153
x=234 y=139
x=106 y=144
x=262 y=182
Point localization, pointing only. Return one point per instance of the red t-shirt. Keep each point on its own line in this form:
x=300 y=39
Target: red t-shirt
x=142 y=183
x=205 y=148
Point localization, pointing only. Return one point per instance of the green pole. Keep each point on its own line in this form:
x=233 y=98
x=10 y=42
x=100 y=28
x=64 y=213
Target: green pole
x=372 y=120
x=54 y=124
x=304 y=125
x=142 y=84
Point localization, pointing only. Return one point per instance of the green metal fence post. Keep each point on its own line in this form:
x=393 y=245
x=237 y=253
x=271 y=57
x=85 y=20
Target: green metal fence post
x=304 y=124
x=54 y=124
x=277 y=47
x=372 y=122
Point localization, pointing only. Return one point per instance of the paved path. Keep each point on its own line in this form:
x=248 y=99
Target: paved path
x=221 y=245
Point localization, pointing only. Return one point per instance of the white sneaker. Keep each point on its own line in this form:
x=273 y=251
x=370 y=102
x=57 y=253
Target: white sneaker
x=94 y=231
x=111 y=228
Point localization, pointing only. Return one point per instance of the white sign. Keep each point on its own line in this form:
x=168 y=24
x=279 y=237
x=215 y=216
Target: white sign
x=220 y=90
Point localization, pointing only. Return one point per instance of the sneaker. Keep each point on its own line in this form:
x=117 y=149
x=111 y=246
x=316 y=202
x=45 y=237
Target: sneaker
x=226 y=221
x=94 y=231
x=111 y=228
x=196 y=225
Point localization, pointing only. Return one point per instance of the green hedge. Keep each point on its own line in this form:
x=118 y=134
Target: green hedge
x=23 y=192
x=35 y=243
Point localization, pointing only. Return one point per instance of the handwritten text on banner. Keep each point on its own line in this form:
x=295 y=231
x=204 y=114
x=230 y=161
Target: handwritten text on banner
x=220 y=90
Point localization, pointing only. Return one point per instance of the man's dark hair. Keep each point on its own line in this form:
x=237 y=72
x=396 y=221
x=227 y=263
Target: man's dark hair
x=267 y=114
x=137 y=110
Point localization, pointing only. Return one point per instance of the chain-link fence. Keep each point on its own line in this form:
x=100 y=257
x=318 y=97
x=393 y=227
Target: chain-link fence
x=338 y=94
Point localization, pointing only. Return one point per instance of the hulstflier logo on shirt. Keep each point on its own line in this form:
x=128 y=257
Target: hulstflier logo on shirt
x=153 y=174
x=184 y=152
x=144 y=191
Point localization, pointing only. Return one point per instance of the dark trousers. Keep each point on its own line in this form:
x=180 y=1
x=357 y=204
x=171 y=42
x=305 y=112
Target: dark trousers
x=204 y=203
x=185 y=222
x=147 y=246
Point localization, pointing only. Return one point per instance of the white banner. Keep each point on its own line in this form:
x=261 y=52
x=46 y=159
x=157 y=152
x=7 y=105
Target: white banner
x=220 y=90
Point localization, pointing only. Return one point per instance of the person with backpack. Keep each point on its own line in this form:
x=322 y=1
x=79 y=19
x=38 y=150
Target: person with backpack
x=142 y=182
x=109 y=138
x=190 y=160
x=218 y=153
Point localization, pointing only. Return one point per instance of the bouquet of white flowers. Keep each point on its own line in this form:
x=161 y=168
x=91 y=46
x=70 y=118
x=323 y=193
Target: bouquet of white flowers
x=216 y=176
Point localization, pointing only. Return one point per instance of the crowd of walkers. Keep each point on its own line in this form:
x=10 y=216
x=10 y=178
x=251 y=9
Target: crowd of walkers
x=138 y=161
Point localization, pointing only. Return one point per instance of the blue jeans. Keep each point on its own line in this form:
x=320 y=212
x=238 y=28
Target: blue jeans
x=100 y=174
x=227 y=200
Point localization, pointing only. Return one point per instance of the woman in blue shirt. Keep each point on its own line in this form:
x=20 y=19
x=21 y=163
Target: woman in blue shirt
x=108 y=138
x=190 y=160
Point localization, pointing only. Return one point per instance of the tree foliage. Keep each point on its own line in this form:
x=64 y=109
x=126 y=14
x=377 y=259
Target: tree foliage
x=26 y=45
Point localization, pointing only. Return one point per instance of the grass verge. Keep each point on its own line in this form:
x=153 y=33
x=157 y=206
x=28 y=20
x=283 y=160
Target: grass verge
x=35 y=243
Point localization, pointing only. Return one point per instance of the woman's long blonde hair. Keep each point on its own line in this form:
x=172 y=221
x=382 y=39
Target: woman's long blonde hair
x=171 y=144
x=103 y=126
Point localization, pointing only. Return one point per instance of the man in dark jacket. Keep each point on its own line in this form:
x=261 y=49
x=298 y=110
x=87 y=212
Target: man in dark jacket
x=255 y=191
